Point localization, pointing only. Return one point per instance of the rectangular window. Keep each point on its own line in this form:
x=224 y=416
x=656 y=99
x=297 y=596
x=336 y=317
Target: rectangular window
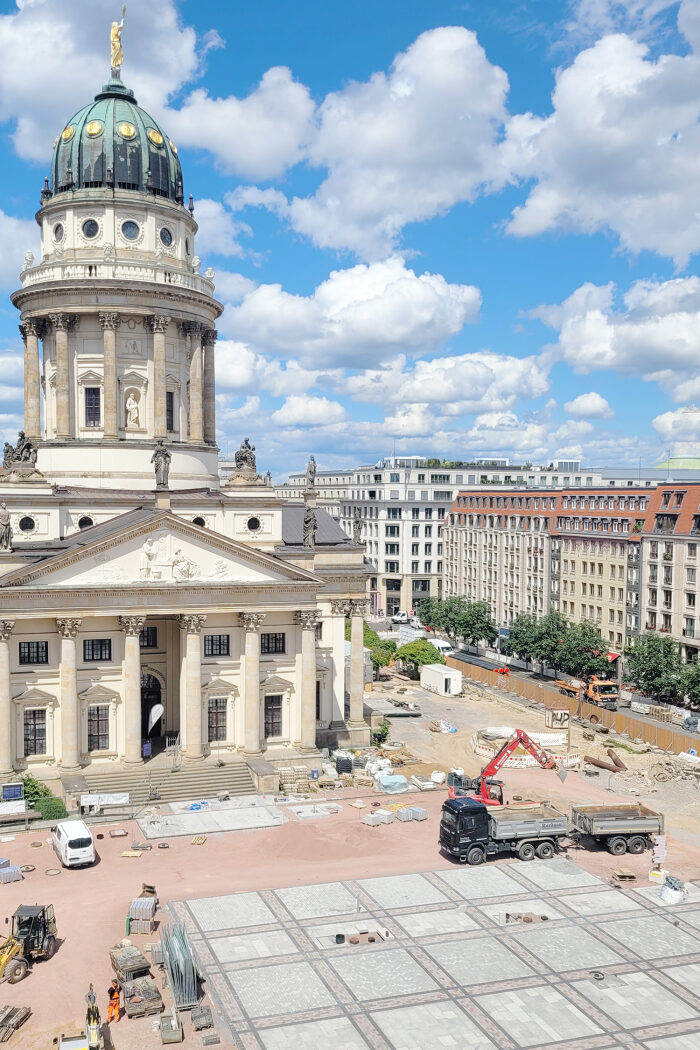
x=415 y=530
x=391 y=548
x=216 y=645
x=97 y=648
x=428 y=513
x=415 y=513
x=273 y=643
x=393 y=513
x=391 y=530
x=98 y=727
x=148 y=638
x=170 y=410
x=35 y=732
x=92 y=406
x=217 y=718
x=391 y=566
x=273 y=715
x=34 y=653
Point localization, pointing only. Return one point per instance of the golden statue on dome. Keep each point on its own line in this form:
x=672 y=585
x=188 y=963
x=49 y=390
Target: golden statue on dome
x=115 y=40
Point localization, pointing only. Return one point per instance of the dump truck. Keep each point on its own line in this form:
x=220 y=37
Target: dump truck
x=624 y=828
x=472 y=831
x=593 y=690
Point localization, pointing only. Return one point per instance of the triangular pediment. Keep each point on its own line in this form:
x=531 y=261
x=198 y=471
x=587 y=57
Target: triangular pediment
x=99 y=694
x=89 y=377
x=159 y=550
x=132 y=377
x=35 y=696
x=273 y=683
x=220 y=687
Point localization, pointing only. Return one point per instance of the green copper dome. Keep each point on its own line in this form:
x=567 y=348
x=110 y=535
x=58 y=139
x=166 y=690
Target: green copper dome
x=113 y=142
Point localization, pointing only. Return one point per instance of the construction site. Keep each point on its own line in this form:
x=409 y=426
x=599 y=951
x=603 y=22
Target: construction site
x=492 y=875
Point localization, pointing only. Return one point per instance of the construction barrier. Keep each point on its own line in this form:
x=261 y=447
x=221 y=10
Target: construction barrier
x=666 y=736
x=571 y=760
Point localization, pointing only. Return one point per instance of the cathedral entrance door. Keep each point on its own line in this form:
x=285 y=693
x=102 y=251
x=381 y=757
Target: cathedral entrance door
x=151 y=697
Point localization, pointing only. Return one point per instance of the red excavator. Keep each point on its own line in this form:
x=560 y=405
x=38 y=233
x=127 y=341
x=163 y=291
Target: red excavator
x=486 y=787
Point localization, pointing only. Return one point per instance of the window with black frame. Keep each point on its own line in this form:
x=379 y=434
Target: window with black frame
x=97 y=649
x=273 y=715
x=274 y=643
x=35 y=731
x=216 y=645
x=98 y=727
x=217 y=718
x=92 y=406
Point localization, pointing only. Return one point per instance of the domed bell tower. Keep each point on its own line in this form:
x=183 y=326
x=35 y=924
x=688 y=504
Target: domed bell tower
x=117 y=321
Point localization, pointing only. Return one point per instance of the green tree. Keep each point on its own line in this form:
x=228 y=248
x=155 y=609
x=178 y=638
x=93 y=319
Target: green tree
x=582 y=651
x=416 y=654
x=691 y=682
x=654 y=665
x=538 y=639
x=429 y=612
x=478 y=624
x=370 y=638
x=522 y=637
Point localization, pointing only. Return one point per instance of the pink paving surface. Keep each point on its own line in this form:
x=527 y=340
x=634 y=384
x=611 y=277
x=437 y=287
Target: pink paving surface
x=91 y=904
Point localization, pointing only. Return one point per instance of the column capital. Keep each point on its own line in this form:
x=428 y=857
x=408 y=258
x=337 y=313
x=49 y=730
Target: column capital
x=131 y=624
x=307 y=619
x=358 y=607
x=340 y=607
x=192 y=622
x=68 y=626
x=110 y=320
x=192 y=328
x=157 y=322
x=6 y=629
x=251 y=620
x=33 y=326
x=64 y=322
x=209 y=336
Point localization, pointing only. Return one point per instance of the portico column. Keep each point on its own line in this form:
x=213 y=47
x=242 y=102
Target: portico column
x=6 y=751
x=209 y=389
x=158 y=324
x=308 y=621
x=196 y=415
x=132 y=627
x=62 y=323
x=110 y=321
x=357 y=611
x=31 y=330
x=68 y=677
x=191 y=624
x=251 y=621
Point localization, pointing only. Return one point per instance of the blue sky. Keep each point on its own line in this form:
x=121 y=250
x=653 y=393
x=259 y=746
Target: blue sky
x=453 y=228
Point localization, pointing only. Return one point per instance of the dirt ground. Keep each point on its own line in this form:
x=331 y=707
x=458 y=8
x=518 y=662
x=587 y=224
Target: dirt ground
x=91 y=904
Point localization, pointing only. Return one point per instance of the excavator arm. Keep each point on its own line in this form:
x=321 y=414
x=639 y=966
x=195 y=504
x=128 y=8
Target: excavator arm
x=486 y=781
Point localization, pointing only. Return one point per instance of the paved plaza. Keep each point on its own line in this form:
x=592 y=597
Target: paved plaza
x=449 y=968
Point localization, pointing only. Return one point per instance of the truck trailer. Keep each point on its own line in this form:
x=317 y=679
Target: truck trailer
x=624 y=828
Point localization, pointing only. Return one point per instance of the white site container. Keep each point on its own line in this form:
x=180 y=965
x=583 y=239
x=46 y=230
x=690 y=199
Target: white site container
x=445 y=681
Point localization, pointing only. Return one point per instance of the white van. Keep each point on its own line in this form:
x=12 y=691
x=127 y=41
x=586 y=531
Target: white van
x=72 y=841
x=444 y=648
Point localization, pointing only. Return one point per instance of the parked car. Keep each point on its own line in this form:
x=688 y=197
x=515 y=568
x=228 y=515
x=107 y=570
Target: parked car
x=400 y=617
x=72 y=841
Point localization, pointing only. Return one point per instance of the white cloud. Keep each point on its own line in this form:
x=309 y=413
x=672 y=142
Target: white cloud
x=356 y=317
x=232 y=287
x=218 y=230
x=620 y=150
x=589 y=406
x=308 y=411
x=242 y=370
x=17 y=236
x=681 y=428
x=250 y=409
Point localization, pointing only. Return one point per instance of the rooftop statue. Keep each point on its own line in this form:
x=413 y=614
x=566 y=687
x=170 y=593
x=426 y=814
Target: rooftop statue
x=115 y=40
x=245 y=457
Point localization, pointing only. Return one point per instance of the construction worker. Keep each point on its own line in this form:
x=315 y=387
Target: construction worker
x=114 y=991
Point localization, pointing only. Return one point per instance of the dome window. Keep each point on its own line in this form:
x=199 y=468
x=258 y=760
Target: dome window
x=187 y=245
x=94 y=128
x=253 y=524
x=199 y=521
x=85 y=522
x=68 y=133
x=58 y=232
x=127 y=131
x=27 y=524
x=90 y=228
x=155 y=137
x=166 y=237
x=130 y=230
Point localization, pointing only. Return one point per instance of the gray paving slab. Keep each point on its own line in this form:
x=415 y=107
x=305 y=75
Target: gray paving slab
x=478 y=961
x=376 y=974
x=434 y=1026
x=557 y=874
x=428 y=923
x=563 y=948
x=652 y=937
x=652 y=894
x=691 y=916
x=688 y=976
x=402 y=891
x=289 y=988
x=505 y=914
x=336 y=1033
x=232 y=912
x=211 y=822
x=311 y=902
x=675 y=1042
x=635 y=1000
x=537 y=1015
x=485 y=881
x=605 y=902
x=253 y=946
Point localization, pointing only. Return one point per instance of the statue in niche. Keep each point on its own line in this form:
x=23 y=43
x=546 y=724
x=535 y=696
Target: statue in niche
x=183 y=567
x=357 y=526
x=161 y=463
x=147 y=557
x=309 y=527
x=132 y=410
x=5 y=528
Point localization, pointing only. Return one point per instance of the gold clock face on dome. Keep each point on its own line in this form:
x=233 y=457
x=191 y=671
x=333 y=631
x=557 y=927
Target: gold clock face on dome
x=172 y=146
x=127 y=131
x=93 y=128
x=67 y=133
x=155 y=137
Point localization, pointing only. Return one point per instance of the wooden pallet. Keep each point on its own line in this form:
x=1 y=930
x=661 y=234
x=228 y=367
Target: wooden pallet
x=12 y=1018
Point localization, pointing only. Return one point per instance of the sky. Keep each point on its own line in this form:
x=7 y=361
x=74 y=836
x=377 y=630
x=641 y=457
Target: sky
x=439 y=227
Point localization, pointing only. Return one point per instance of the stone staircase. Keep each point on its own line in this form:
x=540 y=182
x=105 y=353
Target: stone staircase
x=179 y=785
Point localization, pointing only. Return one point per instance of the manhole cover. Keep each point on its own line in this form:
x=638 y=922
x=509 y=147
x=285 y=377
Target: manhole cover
x=163 y=845
x=36 y=845
x=27 y=867
x=52 y=871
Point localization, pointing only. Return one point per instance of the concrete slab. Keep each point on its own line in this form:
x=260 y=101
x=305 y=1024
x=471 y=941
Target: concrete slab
x=401 y=891
x=263 y=945
x=311 y=902
x=209 y=821
x=536 y=906
x=231 y=912
x=429 y=923
x=382 y=974
x=477 y=961
x=537 y=1015
x=606 y=902
x=429 y=1027
x=556 y=874
x=486 y=881
x=289 y=988
x=635 y=1000
x=336 y=1032
x=652 y=937
x=564 y=948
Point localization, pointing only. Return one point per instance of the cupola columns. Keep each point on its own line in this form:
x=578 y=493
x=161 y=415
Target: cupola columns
x=62 y=323
x=31 y=330
x=209 y=390
x=158 y=325
x=194 y=331
x=110 y=322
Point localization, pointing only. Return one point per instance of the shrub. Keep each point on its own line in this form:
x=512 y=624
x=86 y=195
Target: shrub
x=51 y=808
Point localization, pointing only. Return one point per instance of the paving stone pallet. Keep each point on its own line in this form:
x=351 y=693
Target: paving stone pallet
x=11 y=1018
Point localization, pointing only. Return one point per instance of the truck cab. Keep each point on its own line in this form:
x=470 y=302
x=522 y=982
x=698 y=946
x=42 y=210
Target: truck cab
x=464 y=828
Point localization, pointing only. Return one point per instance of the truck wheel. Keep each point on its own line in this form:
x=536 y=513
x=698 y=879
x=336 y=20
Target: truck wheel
x=617 y=846
x=16 y=971
x=526 y=851
x=49 y=946
x=636 y=844
x=475 y=856
x=545 y=851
